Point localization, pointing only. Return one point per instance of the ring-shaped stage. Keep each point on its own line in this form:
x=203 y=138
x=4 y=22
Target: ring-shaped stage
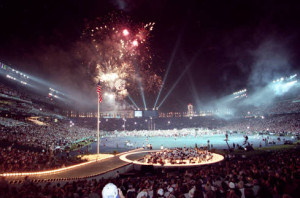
x=216 y=158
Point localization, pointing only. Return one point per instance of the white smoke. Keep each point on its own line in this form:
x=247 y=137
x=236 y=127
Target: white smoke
x=271 y=60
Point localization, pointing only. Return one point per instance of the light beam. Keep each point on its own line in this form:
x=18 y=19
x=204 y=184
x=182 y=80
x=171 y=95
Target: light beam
x=169 y=66
x=140 y=86
x=132 y=101
x=178 y=79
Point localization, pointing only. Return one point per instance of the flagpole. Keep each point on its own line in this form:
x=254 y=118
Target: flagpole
x=98 y=117
x=98 y=126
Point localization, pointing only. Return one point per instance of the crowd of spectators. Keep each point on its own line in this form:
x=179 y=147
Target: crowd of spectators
x=178 y=156
x=51 y=135
x=165 y=133
x=274 y=123
x=38 y=147
x=21 y=160
x=9 y=91
x=18 y=100
x=131 y=124
x=281 y=107
x=277 y=117
x=9 y=122
x=274 y=174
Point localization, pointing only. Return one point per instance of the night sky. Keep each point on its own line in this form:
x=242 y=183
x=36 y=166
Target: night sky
x=226 y=45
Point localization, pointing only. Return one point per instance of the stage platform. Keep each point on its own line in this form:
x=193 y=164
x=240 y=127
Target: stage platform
x=125 y=157
x=91 y=169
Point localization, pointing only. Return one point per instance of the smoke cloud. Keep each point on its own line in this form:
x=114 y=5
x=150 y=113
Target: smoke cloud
x=271 y=61
x=269 y=79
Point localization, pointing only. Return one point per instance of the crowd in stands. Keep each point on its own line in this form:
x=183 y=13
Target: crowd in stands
x=15 y=99
x=274 y=123
x=281 y=107
x=131 y=124
x=274 y=174
x=20 y=160
x=45 y=136
x=38 y=147
x=178 y=156
x=164 y=133
x=9 y=122
x=9 y=91
x=278 y=117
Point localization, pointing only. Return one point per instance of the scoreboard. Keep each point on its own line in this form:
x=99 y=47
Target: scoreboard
x=146 y=114
x=138 y=114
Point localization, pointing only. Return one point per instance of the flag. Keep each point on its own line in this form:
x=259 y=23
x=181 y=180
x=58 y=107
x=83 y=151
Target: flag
x=99 y=91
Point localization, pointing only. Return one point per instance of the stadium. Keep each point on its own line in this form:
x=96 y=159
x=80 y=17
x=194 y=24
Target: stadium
x=40 y=143
x=124 y=127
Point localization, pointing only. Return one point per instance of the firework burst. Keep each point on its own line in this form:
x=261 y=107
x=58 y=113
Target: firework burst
x=119 y=55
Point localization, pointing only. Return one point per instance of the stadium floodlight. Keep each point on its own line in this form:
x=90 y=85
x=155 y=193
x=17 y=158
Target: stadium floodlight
x=282 y=88
x=240 y=92
x=293 y=76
